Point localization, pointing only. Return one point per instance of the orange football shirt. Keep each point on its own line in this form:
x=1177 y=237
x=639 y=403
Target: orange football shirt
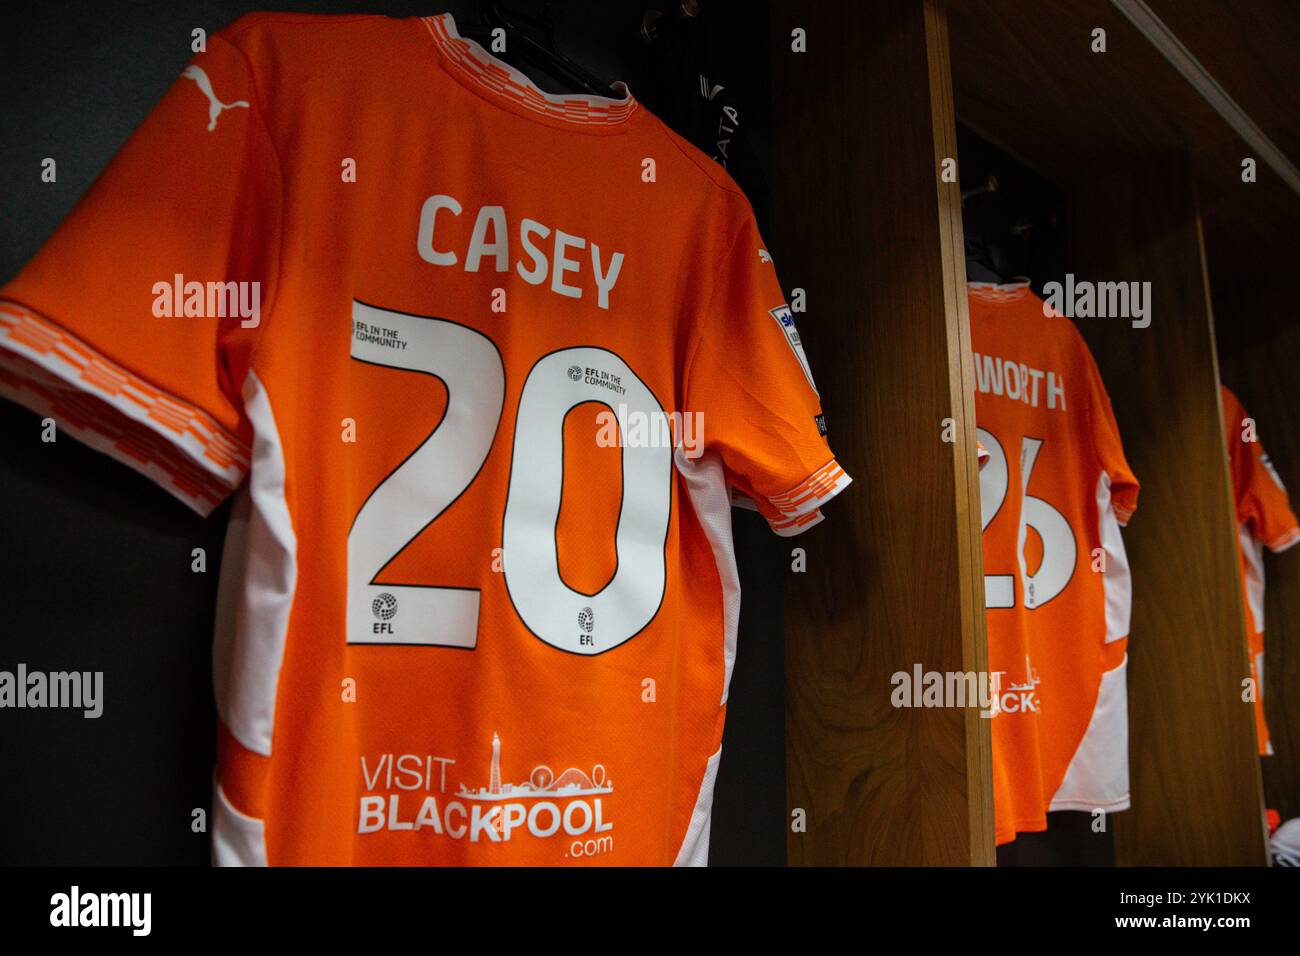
x=484 y=365
x=1053 y=495
x=1264 y=520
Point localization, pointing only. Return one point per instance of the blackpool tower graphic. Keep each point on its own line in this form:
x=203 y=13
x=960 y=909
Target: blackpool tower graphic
x=494 y=776
x=542 y=782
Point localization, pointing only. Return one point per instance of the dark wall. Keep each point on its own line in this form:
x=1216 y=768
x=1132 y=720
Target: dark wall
x=96 y=561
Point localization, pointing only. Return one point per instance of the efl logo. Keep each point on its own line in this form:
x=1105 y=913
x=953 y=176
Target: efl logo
x=384 y=608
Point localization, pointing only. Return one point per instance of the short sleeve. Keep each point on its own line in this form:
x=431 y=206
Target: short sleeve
x=134 y=324
x=748 y=377
x=1107 y=444
x=1262 y=501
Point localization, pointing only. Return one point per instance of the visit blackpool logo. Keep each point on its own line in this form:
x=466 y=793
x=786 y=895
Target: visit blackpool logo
x=1015 y=697
x=545 y=805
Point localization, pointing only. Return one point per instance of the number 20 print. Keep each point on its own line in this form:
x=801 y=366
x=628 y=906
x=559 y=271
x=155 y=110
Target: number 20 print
x=446 y=463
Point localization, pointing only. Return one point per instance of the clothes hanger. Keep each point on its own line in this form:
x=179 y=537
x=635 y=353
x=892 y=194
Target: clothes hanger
x=981 y=256
x=654 y=23
x=981 y=260
x=542 y=56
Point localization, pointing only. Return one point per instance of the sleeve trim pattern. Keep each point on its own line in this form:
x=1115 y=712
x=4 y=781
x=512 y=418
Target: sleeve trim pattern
x=52 y=372
x=788 y=528
x=799 y=508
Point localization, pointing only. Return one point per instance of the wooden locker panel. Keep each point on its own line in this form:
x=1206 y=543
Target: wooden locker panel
x=1195 y=776
x=894 y=576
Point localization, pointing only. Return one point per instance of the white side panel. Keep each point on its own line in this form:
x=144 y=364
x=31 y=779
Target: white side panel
x=1097 y=778
x=695 y=848
x=1253 y=551
x=710 y=498
x=258 y=577
x=706 y=488
x=237 y=840
x=230 y=594
x=1116 y=582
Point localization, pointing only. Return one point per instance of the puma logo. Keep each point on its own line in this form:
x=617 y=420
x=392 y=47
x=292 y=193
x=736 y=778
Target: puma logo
x=764 y=255
x=215 y=106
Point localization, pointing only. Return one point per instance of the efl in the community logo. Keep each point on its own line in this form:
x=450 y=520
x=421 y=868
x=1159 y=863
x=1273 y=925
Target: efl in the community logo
x=622 y=426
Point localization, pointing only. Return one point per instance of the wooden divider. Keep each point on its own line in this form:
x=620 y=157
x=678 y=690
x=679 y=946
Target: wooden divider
x=894 y=576
x=1195 y=775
